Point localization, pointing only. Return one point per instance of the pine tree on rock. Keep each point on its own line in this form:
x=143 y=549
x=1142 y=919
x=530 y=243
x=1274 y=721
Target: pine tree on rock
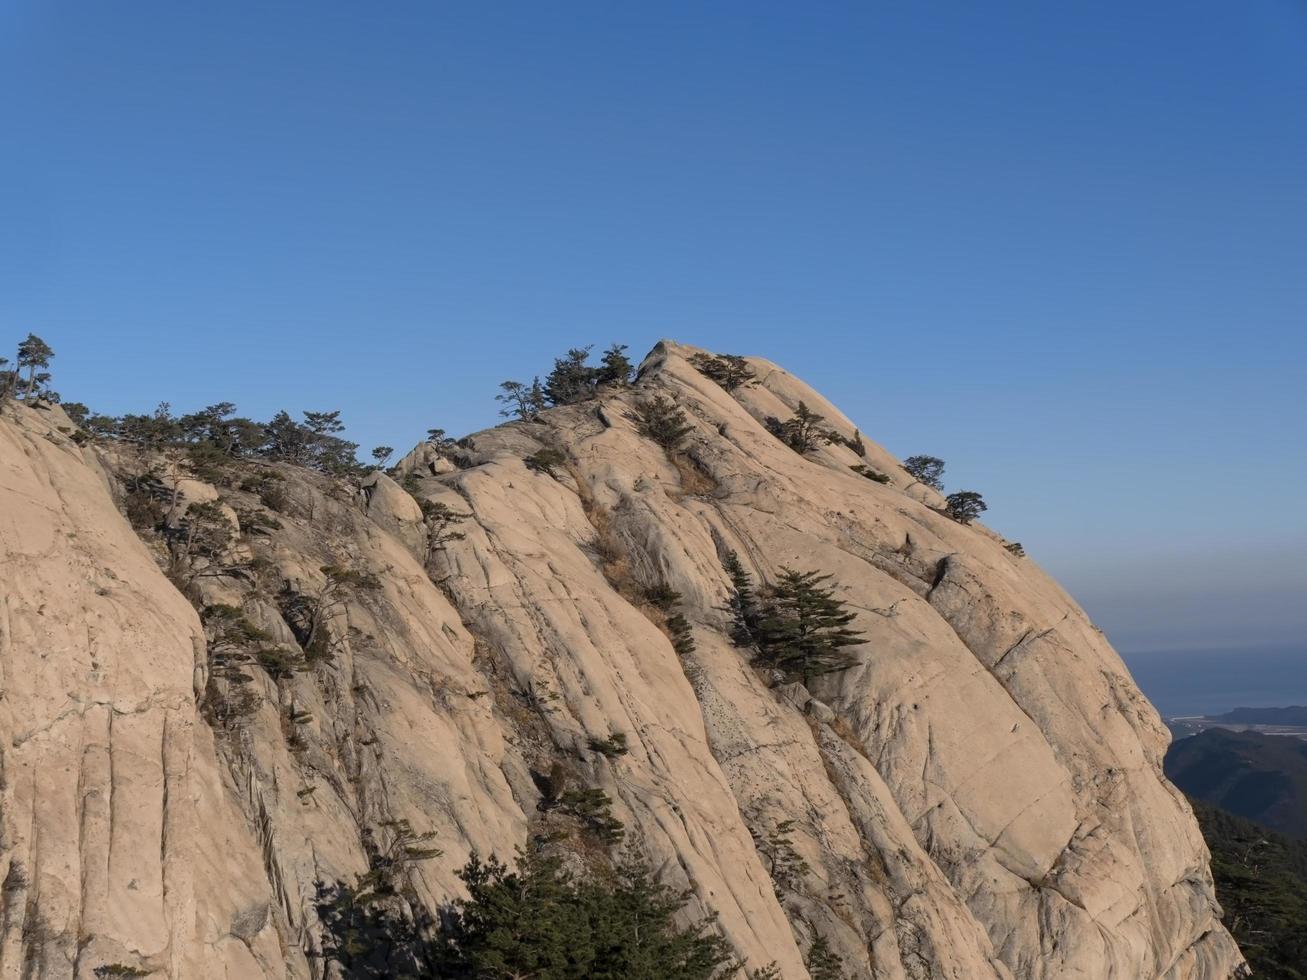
x=823 y=963
x=571 y=381
x=615 y=367
x=33 y=354
x=539 y=921
x=730 y=371
x=803 y=629
x=803 y=433
x=742 y=604
x=659 y=419
x=521 y=401
x=965 y=506
x=926 y=469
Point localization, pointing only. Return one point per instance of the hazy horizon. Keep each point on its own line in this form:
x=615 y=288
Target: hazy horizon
x=1061 y=249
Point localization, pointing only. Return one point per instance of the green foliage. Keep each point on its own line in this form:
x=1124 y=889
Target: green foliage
x=208 y=462
x=113 y=971
x=661 y=596
x=270 y=487
x=664 y=598
x=662 y=421
x=965 y=506
x=1261 y=883
x=34 y=354
x=215 y=433
x=864 y=470
x=521 y=401
x=539 y=921
x=448 y=448
x=593 y=808
x=823 y=964
x=381 y=455
x=1014 y=548
x=233 y=643
x=572 y=380
x=441 y=520
x=153 y=431
x=803 y=432
x=926 y=469
x=77 y=413
x=309 y=614
x=615 y=367
x=742 y=603
x=612 y=746
x=544 y=461
x=390 y=861
x=730 y=371
x=146 y=501
x=313 y=443
x=802 y=629
x=256 y=522
x=856 y=443
x=678 y=627
x=784 y=864
x=281 y=662
x=204 y=531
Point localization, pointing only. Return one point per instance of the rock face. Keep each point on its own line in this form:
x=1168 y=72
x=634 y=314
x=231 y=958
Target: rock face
x=980 y=796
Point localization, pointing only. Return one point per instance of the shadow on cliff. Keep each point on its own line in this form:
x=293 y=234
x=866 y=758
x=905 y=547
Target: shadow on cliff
x=372 y=936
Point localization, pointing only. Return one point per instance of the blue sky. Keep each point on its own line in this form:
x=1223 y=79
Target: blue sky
x=1064 y=246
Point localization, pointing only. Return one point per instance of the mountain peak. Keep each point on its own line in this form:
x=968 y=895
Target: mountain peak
x=698 y=612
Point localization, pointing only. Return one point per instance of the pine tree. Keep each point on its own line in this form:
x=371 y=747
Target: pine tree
x=441 y=520
x=323 y=423
x=927 y=469
x=33 y=354
x=803 y=432
x=615 y=367
x=233 y=642
x=803 y=629
x=544 y=460
x=730 y=371
x=539 y=921
x=659 y=419
x=571 y=381
x=742 y=604
x=521 y=401
x=823 y=964
x=965 y=506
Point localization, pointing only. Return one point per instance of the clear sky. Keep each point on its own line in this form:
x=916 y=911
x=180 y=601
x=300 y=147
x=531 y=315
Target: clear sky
x=1063 y=246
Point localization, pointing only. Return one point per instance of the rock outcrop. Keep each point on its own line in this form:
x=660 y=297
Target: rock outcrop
x=979 y=796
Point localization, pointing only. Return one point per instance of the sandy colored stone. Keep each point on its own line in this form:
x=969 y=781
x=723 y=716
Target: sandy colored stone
x=980 y=796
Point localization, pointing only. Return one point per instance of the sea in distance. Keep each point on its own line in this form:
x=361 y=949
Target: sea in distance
x=1182 y=683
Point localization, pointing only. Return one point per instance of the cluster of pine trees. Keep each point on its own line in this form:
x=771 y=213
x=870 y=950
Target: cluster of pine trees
x=964 y=506
x=215 y=435
x=1261 y=883
x=796 y=626
x=26 y=376
x=573 y=380
x=533 y=920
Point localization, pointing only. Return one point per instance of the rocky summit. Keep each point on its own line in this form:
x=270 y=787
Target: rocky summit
x=231 y=693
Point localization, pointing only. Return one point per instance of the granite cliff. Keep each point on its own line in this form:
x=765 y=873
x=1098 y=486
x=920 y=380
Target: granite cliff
x=980 y=796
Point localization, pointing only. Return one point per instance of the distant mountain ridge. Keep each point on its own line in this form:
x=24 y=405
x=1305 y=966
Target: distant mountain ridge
x=1253 y=775
x=1293 y=715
